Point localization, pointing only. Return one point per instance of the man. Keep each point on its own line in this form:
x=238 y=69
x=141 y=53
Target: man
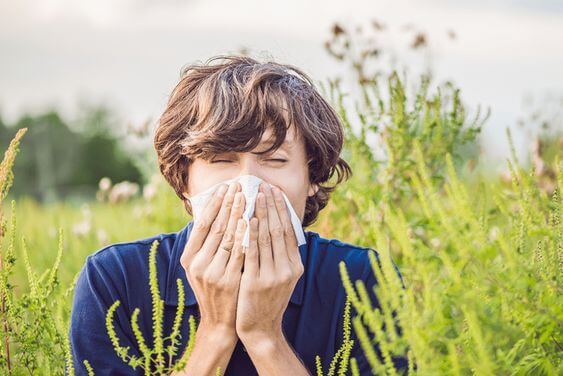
x=268 y=309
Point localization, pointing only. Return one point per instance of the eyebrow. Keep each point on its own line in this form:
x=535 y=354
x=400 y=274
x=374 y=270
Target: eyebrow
x=286 y=145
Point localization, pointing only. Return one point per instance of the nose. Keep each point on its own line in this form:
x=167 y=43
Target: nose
x=249 y=166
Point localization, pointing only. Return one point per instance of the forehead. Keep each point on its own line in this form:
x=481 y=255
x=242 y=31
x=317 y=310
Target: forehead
x=291 y=138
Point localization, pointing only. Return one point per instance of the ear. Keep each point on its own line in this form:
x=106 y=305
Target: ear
x=313 y=188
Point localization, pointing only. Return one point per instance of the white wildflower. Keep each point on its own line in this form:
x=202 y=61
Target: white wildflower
x=104 y=184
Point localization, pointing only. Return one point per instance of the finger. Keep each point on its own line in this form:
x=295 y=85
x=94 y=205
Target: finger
x=289 y=233
x=201 y=226
x=276 y=231
x=251 y=254
x=224 y=250
x=219 y=225
x=236 y=261
x=264 y=241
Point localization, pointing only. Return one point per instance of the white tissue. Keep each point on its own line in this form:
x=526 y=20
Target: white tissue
x=250 y=185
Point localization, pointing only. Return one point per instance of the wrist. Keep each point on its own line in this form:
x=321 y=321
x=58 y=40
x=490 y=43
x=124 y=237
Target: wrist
x=216 y=333
x=263 y=342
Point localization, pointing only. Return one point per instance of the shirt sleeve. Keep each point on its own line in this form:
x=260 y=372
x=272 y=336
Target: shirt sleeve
x=95 y=291
x=400 y=362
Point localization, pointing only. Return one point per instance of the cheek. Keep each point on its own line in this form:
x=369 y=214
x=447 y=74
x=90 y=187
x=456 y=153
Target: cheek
x=297 y=196
x=201 y=177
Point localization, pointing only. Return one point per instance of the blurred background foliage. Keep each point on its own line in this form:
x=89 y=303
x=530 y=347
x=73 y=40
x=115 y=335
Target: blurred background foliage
x=64 y=162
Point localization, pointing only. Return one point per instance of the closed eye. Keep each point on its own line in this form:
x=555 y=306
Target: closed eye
x=275 y=160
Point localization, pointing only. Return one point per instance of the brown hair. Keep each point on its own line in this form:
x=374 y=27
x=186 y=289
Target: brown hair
x=227 y=107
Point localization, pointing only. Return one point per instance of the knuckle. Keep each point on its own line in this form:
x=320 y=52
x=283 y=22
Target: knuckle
x=201 y=224
x=228 y=239
x=218 y=227
x=210 y=278
x=222 y=284
x=269 y=283
x=287 y=230
x=229 y=203
x=195 y=272
x=277 y=232
x=184 y=262
x=236 y=249
x=286 y=276
x=264 y=240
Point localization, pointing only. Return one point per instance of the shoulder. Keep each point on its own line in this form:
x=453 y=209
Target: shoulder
x=356 y=258
x=121 y=270
x=331 y=251
x=132 y=252
x=327 y=257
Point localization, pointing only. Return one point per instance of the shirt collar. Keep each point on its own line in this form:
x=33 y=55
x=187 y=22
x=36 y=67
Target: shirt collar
x=176 y=270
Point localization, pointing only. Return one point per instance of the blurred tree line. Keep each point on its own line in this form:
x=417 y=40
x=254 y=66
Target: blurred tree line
x=66 y=160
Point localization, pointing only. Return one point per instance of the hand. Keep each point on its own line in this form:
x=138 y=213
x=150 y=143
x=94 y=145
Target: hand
x=213 y=272
x=272 y=267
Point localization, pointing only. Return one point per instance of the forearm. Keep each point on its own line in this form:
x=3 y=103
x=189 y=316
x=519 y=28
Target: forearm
x=273 y=355
x=212 y=348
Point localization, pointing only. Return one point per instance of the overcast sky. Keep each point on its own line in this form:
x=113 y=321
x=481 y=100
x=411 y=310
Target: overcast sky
x=128 y=54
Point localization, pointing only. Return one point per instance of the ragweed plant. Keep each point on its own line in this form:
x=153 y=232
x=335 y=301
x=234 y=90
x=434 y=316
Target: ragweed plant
x=380 y=147
x=152 y=360
x=342 y=355
x=34 y=321
x=466 y=284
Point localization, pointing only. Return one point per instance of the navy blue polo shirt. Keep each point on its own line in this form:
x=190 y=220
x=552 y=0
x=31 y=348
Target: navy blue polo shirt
x=312 y=322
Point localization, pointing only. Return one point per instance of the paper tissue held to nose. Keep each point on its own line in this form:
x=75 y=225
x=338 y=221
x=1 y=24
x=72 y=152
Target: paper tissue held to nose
x=249 y=185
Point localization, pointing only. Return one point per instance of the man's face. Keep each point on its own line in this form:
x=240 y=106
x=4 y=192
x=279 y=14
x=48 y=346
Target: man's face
x=285 y=168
